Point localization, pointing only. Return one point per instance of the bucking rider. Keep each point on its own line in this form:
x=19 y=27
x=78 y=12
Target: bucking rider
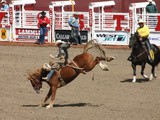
x=62 y=55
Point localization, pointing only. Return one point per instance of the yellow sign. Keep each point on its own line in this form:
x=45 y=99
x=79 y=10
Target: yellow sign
x=3 y=33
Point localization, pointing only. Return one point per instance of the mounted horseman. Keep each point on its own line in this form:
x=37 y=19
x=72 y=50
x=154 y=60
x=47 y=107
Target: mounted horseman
x=143 y=33
x=143 y=52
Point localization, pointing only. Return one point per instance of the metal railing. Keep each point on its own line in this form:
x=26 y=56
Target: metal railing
x=105 y=21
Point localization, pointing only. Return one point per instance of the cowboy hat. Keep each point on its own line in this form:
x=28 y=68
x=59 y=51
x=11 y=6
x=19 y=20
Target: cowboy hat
x=3 y=1
x=59 y=41
x=141 y=21
x=43 y=13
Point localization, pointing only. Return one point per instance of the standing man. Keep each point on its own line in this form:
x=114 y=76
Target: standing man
x=151 y=8
x=43 y=21
x=4 y=6
x=75 y=29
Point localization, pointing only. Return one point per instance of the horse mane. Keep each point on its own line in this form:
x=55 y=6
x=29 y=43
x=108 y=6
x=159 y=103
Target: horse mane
x=35 y=75
x=94 y=44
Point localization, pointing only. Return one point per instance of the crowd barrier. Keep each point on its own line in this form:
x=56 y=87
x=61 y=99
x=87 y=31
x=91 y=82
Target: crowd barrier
x=107 y=27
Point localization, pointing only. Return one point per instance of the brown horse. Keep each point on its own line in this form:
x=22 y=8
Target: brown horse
x=82 y=63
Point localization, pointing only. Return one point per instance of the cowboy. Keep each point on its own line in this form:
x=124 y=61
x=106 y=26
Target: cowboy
x=75 y=29
x=63 y=50
x=5 y=6
x=143 y=33
x=43 y=21
x=62 y=55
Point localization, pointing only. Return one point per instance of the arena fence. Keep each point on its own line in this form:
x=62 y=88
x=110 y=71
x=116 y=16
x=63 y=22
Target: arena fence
x=107 y=27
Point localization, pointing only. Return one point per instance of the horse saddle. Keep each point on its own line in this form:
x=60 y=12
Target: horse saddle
x=151 y=51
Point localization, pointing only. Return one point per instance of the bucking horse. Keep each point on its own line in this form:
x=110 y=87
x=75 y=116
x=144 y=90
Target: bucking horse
x=81 y=63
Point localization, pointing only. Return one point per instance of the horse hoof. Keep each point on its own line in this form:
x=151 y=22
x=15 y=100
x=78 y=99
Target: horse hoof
x=155 y=76
x=106 y=69
x=48 y=107
x=110 y=58
x=151 y=77
x=41 y=105
x=134 y=79
x=145 y=76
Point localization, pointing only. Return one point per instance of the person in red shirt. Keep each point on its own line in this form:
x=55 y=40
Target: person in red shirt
x=43 y=21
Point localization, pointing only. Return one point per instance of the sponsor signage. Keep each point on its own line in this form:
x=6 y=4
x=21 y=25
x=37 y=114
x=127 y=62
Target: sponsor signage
x=50 y=15
x=28 y=35
x=154 y=38
x=65 y=34
x=11 y=15
x=4 y=34
x=90 y=17
x=2 y=14
x=112 y=38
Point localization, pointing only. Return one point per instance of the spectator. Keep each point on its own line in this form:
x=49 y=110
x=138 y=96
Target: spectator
x=4 y=6
x=151 y=8
x=75 y=29
x=43 y=21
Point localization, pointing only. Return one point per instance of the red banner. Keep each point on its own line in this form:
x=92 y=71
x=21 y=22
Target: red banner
x=2 y=14
x=90 y=17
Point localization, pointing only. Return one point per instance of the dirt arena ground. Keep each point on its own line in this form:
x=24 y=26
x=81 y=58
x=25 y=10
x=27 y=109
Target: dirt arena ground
x=111 y=96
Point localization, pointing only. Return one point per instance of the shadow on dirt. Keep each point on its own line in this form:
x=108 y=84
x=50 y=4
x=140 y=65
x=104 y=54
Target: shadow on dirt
x=67 y=105
x=29 y=105
x=141 y=80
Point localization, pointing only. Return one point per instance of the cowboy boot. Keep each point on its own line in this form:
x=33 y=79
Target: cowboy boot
x=129 y=58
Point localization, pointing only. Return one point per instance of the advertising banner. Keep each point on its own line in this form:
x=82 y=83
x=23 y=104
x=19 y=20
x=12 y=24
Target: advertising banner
x=112 y=38
x=154 y=38
x=4 y=34
x=28 y=35
x=65 y=34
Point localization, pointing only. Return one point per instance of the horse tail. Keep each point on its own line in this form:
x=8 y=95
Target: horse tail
x=89 y=45
x=94 y=44
x=157 y=54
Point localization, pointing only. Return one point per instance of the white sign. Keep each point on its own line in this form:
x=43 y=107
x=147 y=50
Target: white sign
x=154 y=38
x=112 y=38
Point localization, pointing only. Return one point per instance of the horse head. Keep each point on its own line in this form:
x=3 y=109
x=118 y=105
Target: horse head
x=35 y=79
x=134 y=39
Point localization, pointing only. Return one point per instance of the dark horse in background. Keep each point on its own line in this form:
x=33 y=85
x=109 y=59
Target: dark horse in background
x=139 y=56
x=81 y=63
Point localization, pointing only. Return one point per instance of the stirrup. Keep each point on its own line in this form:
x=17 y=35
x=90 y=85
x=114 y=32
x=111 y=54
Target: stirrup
x=150 y=59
